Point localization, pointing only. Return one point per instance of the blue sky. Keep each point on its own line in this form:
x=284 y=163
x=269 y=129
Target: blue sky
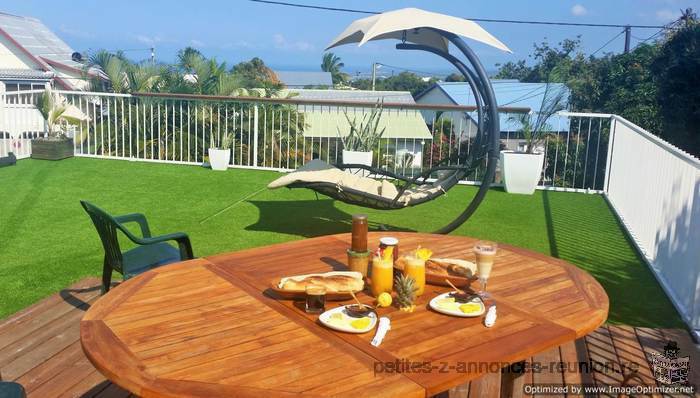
x=291 y=38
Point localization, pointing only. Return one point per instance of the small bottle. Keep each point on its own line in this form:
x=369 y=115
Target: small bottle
x=390 y=241
x=359 y=233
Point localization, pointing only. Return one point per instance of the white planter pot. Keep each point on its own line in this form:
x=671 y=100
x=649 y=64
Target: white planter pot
x=521 y=171
x=219 y=158
x=357 y=157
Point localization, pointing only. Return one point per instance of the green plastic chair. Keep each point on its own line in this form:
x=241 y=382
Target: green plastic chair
x=152 y=251
x=10 y=389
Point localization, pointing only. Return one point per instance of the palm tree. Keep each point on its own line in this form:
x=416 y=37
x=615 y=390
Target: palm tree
x=332 y=63
x=53 y=111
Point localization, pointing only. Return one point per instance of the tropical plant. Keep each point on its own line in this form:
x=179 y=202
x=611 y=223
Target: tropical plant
x=534 y=125
x=332 y=63
x=53 y=111
x=225 y=141
x=365 y=135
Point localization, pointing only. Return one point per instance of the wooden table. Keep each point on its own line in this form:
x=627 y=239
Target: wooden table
x=205 y=328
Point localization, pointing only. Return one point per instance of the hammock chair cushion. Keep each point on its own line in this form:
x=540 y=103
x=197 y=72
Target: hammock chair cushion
x=319 y=173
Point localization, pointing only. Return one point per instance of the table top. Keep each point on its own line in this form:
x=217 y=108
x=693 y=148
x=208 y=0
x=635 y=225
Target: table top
x=207 y=327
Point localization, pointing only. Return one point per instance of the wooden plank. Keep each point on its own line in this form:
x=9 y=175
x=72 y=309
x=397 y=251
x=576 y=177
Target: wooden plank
x=631 y=356
x=601 y=352
x=488 y=385
x=575 y=357
x=549 y=371
x=39 y=315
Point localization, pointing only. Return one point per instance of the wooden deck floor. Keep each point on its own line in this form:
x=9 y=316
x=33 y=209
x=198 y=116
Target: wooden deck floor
x=40 y=349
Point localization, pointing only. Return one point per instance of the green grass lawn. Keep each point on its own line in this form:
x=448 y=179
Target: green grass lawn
x=47 y=241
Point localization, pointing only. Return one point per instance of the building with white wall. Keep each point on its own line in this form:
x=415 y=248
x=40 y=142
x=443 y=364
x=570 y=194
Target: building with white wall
x=32 y=56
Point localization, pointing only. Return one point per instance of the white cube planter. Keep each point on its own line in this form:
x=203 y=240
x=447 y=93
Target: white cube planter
x=219 y=158
x=521 y=171
x=357 y=157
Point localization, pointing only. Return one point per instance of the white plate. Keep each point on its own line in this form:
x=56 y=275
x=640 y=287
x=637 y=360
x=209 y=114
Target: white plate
x=345 y=326
x=457 y=311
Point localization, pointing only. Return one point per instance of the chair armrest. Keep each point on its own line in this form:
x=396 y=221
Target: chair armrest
x=137 y=218
x=181 y=238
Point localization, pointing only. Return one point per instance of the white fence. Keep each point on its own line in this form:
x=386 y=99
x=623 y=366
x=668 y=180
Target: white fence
x=655 y=190
x=283 y=134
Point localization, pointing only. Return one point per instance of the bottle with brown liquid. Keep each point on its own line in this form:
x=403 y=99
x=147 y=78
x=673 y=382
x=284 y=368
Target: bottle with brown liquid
x=359 y=233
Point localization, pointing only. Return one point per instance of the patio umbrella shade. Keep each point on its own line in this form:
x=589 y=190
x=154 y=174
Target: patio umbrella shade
x=407 y=24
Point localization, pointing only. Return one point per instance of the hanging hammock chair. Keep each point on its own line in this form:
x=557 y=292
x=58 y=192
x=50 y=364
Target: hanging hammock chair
x=381 y=189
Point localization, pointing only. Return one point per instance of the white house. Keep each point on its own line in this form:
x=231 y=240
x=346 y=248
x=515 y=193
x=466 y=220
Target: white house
x=32 y=56
x=406 y=129
x=509 y=93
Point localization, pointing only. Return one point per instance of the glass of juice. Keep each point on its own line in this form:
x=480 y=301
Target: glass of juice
x=485 y=254
x=315 y=299
x=415 y=268
x=382 y=275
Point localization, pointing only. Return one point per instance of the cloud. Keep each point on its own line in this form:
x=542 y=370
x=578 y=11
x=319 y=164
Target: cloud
x=579 y=10
x=197 y=43
x=665 y=15
x=282 y=43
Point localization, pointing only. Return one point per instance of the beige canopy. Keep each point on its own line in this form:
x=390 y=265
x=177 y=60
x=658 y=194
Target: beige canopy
x=406 y=23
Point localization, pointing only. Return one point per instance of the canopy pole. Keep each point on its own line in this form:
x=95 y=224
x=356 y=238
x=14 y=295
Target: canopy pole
x=493 y=130
x=464 y=70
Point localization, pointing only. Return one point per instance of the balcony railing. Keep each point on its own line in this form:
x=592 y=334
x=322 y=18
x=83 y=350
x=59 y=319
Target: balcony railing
x=283 y=134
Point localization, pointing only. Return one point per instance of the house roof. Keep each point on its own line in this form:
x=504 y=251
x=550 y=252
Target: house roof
x=304 y=79
x=509 y=93
x=39 y=42
x=330 y=121
x=25 y=74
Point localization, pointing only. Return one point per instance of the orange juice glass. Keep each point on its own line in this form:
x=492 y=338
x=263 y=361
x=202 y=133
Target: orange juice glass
x=415 y=268
x=382 y=276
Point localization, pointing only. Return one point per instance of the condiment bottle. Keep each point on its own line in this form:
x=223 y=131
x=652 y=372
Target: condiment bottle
x=359 y=233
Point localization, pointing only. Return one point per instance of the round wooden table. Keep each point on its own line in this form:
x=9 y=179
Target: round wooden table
x=206 y=327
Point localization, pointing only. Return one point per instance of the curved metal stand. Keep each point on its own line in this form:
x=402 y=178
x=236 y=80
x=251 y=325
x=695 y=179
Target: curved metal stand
x=487 y=110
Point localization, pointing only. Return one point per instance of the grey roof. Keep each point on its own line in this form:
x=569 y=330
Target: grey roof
x=25 y=74
x=370 y=97
x=37 y=39
x=303 y=79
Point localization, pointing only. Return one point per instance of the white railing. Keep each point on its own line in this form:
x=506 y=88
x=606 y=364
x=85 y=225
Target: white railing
x=655 y=190
x=284 y=134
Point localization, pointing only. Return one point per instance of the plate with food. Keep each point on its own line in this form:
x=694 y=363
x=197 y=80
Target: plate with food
x=458 y=304
x=338 y=285
x=460 y=272
x=349 y=319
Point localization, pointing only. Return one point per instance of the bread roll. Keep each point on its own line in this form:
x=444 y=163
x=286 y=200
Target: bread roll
x=333 y=282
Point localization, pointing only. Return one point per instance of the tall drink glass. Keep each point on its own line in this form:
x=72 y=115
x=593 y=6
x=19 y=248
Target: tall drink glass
x=485 y=254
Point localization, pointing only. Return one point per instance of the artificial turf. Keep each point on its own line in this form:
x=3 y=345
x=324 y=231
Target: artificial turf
x=47 y=241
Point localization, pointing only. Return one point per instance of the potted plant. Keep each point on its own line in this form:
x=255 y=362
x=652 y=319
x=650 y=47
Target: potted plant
x=362 y=138
x=220 y=156
x=56 y=145
x=521 y=170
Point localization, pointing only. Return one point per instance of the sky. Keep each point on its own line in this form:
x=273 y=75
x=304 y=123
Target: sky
x=289 y=38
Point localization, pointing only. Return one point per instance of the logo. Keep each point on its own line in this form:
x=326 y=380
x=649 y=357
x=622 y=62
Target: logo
x=669 y=368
